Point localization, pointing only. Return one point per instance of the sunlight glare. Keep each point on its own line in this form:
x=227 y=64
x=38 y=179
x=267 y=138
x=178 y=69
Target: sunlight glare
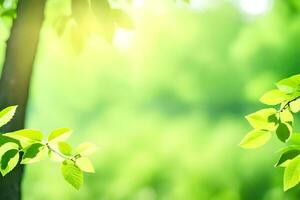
x=255 y=7
x=123 y=39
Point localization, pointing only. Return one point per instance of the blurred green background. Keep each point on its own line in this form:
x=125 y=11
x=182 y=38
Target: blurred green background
x=165 y=102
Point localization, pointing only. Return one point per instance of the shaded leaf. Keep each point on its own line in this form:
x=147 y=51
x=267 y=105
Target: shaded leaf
x=283 y=131
x=287 y=156
x=34 y=153
x=9 y=161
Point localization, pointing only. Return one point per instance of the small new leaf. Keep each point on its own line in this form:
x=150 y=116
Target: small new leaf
x=255 y=138
x=72 y=174
x=61 y=134
x=85 y=164
x=86 y=149
x=64 y=148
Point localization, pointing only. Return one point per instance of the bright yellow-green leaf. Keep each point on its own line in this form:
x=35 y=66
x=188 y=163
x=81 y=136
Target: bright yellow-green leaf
x=296 y=78
x=260 y=119
x=273 y=97
x=64 y=148
x=86 y=149
x=255 y=138
x=85 y=164
x=61 y=134
x=7 y=114
x=72 y=174
x=26 y=136
x=292 y=174
x=286 y=116
x=287 y=85
x=295 y=106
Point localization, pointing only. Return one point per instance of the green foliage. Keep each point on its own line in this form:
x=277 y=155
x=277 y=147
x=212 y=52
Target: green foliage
x=8 y=8
x=29 y=143
x=72 y=173
x=270 y=121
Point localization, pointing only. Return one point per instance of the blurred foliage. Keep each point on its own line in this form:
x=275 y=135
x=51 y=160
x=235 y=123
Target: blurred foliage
x=165 y=106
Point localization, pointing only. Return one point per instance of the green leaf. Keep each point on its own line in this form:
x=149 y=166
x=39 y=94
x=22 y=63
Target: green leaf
x=295 y=139
x=72 y=174
x=7 y=114
x=273 y=97
x=8 y=146
x=26 y=136
x=261 y=119
x=34 y=153
x=295 y=78
x=10 y=12
x=295 y=106
x=255 y=138
x=287 y=85
x=286 y=116
x=286 y=157
x=61 y=134
x=283 y=131
x=86 y=149
x=292 y=174
x=85 y=164
x=9 y=161
x=65 y=148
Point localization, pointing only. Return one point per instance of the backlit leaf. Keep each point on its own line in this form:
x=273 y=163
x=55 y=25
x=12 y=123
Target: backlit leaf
x=273 y=97
x=85 y=164
x=292 y=174
x=7 y=114
x=86 y=149
x=72 y=174
x=61 y=134
x=255 y=138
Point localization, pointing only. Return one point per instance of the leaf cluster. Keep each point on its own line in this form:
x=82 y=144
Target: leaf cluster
x=280 y=122
x=29 y=146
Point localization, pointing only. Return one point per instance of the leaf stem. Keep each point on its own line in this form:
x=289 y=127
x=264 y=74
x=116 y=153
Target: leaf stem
x=57 y=153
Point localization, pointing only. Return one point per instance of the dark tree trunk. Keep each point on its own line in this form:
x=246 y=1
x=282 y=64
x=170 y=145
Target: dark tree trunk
x=15 y=80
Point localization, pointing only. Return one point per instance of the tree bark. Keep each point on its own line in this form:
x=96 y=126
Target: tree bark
x=15 y=79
